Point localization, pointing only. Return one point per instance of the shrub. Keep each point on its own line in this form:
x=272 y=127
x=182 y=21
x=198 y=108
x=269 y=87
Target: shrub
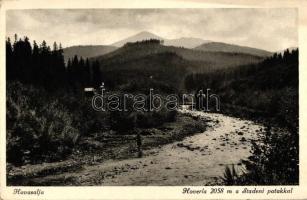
x=122 y=121
x=125 y=121
x=38 y=128
x=274 y=161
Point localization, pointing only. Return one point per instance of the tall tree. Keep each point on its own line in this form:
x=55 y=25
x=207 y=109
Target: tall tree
x=96 y=74
x=36 y=62
x=9 y=59
x=87 y=73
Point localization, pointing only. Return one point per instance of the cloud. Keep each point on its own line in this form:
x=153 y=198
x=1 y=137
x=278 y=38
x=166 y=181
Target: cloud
x=272 y=29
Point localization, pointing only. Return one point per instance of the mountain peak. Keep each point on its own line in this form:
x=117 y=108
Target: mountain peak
x=144 y=35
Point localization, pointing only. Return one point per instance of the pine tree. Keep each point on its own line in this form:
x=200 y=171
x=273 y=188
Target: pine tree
x=87 y=73
x=69 y=72
x=96 y=74
x=35 y=65
x=9 y=59
x=36 y=62
x=61 y=63
x=81 y=72
x=74 y=69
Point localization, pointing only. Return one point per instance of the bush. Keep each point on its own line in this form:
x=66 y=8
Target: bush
x=39 y=127
x=122 y=121
x=125 y=121
x=274 y=161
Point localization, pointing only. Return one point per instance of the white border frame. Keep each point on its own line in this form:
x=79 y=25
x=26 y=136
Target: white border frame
x=155 y=192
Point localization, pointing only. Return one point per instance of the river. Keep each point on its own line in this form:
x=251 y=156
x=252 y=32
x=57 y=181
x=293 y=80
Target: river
x=197 y=160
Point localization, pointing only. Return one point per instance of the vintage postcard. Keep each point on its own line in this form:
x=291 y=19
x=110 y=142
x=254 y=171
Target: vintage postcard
x=163 y=99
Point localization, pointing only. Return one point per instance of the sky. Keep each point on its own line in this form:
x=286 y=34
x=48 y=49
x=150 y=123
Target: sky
x=272 y=29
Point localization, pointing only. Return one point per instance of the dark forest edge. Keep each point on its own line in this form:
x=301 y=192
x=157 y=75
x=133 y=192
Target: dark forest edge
x=268 y=93
x=48 y=128
x=42 y=66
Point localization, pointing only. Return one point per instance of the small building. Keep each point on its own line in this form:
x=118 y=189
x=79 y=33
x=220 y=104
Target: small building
x=89 y=91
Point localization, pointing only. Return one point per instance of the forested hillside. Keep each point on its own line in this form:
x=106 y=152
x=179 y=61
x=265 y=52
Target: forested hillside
x=231 y=48
x=151 y=62
x=200 y=61
x=266 y=92
x=261 y=87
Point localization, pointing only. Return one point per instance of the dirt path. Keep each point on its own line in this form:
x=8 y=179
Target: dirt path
x=197 y=160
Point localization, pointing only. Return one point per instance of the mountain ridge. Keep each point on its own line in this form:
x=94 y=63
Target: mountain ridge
x=225 y=47
x=201 y=60
x=86 y=51
x=185 y=43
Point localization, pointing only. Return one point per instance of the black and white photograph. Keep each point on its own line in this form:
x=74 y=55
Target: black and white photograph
x=152 y=97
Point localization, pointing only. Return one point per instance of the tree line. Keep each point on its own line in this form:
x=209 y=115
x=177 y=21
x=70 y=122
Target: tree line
x=276 y=71
x=40 y=65
x=145 y=42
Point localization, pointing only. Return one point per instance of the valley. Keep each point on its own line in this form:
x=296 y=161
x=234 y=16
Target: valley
x=60 y=139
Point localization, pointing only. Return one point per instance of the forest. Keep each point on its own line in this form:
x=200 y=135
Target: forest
x=266 y=92
x=269 y=88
